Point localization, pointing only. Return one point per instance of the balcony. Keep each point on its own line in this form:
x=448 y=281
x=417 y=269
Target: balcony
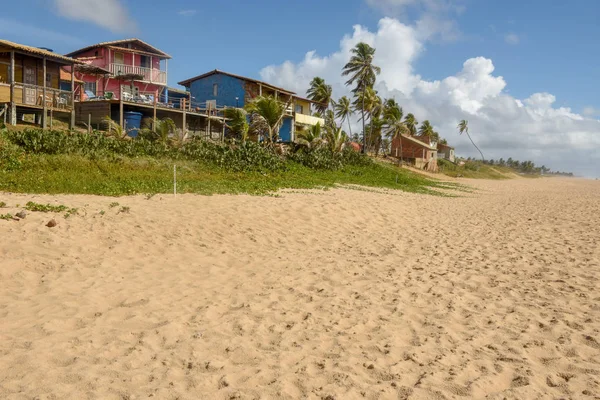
x=150 y=75
x=33 y=96
x=309 y=120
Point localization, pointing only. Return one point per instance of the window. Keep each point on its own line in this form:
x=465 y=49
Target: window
x=119 y=58
x=145 y=62
x=299 y=109
x=48 y=79
x=215 y=89
x=96 y=53
x=89 y=87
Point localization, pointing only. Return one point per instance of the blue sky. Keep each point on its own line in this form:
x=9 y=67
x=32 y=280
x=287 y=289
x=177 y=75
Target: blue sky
x=524 y=72
x=555 y=53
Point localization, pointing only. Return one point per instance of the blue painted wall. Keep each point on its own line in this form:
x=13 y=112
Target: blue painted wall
x=285 y=133
x=228 y=89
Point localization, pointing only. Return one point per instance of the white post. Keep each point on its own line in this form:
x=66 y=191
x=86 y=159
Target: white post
x=174 y=180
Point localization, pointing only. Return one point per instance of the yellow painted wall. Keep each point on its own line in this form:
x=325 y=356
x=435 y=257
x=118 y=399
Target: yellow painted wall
x=305 y=105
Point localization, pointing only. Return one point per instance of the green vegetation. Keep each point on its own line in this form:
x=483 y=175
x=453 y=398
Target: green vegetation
x=61 y=162
x=31 y=206
x=7 y=217
x=2 y=204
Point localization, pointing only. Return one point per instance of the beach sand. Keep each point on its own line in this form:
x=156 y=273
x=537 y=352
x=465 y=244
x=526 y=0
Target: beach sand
x=339 y=294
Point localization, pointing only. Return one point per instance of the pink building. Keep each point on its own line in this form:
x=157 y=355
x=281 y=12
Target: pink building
x=129 y=64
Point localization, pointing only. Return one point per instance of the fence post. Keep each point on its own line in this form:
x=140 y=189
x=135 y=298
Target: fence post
x=89 y=123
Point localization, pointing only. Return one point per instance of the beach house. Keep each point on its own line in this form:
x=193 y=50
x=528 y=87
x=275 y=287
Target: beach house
x=129 y=65
x=421 y=151
x=217 y=89
x=30 y=83
x=446 y=152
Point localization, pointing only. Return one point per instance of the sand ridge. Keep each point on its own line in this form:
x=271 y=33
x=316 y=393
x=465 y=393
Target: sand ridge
x=339 y=294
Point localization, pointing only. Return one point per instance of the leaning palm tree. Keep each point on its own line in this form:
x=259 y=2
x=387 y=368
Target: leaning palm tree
x=336 y=139
x=362 y=73
x=236 y=120
x=463 y=126
x=411 y=123
x=371 y=105
x=343 y=111
x=266 y=115
x=310 y=137
x=320 y=93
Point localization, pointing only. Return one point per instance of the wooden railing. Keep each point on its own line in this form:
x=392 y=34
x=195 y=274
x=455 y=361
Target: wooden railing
x=34 y=95
x=150 y=74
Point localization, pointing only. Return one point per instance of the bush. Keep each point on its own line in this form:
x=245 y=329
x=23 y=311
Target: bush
x=10 y=155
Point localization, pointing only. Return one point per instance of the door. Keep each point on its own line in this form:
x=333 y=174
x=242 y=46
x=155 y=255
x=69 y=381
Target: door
x=119 y=59
x=29 y=78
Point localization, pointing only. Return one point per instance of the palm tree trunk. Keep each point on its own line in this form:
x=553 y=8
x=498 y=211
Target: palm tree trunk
x=349 y=127
x=363 y=122
x=482 y=158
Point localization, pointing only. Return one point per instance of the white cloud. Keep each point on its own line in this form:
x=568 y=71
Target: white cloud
x=503 y=126
x=512 y=38
x=109 y=14
x=591 y=111
x=187 y=13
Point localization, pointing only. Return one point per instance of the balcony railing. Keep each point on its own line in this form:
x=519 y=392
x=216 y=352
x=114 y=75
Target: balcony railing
x=33 y=95
x=150 y=74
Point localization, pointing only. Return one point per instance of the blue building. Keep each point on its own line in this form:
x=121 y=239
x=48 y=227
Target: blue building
x=217 y=89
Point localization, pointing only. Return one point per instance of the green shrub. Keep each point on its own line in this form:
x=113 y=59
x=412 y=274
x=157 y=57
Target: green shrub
x=234 y=156
x=10 y=155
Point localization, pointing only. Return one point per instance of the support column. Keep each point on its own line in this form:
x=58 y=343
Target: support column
x=45 y=107
x=121 y=105
x=184 y=122
x=72 y=124
x=12 y=105
x=155 y=103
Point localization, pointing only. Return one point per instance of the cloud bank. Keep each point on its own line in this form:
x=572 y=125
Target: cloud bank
x=503 y=126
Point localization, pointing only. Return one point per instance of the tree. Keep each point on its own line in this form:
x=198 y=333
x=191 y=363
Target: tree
x=411 y=123
x=463 y=127
x=237 y=122
x=426 y=129
x=266 y=116
x=376 y=125
x=343 y=111
x=370 y=104
x=363 y=74
x=336 y=139
x=320 y=93
x=394 y=126
x=310 y=137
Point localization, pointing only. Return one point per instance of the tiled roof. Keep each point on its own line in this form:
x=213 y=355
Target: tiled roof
x=122 y=41
x=38 y=52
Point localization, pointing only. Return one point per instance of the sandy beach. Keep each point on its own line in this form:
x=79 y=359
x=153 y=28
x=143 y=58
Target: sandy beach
x=339 y=294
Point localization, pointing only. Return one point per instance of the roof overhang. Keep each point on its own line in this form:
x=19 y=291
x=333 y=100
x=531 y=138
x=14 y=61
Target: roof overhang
x=151 y=49
x=6 y=46
x=187 y=82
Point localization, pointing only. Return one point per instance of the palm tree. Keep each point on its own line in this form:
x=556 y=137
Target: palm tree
x=336 y=139
x=266 y=115
x=363 y=73
x=371 y=104
x=426 y=129
x=320 y=93
x=236 y=120
x=343 y=110
x=114 y=128
x=310 y=137
x=395 y=127
x=392 y=111
x=463 y=126
x=411 y=123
